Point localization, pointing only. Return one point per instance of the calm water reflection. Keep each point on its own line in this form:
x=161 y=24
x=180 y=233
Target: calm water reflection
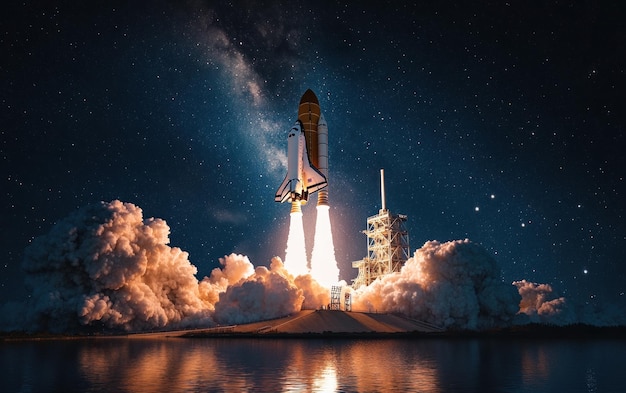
x=317 y=365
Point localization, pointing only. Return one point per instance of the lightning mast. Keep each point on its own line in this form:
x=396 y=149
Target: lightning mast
x=387 y=243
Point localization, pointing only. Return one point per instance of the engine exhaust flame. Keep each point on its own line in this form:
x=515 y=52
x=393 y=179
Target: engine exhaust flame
x=323 y=263
x=295 y=254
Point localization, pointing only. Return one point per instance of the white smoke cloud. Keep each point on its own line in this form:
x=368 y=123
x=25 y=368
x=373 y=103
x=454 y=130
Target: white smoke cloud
x=266 y=294
x=105 y=266
x=236 y=268
x=315 y=295
x=541 y=304
x=454 y=285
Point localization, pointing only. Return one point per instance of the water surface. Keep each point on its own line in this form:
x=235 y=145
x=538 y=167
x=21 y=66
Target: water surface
x=313 y=365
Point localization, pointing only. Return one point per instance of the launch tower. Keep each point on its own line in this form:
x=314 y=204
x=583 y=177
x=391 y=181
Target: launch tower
x=387 y=244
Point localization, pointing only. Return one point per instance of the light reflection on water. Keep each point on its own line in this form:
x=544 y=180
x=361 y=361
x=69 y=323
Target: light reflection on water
x=314 y=365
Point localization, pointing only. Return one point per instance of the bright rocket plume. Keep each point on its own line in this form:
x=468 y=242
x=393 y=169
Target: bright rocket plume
x=295 y=254
x=323 y=263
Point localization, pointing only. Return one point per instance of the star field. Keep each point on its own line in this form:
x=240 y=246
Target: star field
x=501 y=122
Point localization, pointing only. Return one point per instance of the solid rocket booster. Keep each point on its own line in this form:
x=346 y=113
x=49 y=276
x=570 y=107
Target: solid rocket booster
x=322 y=139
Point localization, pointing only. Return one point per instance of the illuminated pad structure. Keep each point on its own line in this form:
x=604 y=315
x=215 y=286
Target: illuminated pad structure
x=347 y=301
x=387 y=244
x=335 y=297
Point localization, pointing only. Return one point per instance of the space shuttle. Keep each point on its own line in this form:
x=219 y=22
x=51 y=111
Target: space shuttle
x=303 y=178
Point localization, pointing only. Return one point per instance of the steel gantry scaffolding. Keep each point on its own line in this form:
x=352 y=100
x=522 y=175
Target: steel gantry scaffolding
x=387 y=244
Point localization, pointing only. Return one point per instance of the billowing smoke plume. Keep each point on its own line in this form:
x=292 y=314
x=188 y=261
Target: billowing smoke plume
x=259 y=293
x=105 y=266
x=235 y=268
x=540 y=304
x=454 y=285
x=105 y=263
x=264 y=295
x=315 y=294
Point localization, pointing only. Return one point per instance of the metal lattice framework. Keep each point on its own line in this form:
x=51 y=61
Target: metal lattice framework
x=387 y=247
x=335 y=297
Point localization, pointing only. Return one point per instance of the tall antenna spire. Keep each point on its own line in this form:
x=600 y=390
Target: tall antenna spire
x=382 y=189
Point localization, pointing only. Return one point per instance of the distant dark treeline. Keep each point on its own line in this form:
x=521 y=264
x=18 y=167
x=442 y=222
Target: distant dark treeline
x=530 y=331
x=536 y=330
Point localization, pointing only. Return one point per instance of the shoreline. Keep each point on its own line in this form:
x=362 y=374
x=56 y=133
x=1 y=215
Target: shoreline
x=531 y=331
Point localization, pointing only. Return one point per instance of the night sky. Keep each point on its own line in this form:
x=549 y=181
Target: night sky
x=501 y=122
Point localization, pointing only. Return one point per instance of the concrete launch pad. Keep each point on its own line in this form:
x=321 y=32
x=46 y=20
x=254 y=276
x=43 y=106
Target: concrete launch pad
x=315 y=322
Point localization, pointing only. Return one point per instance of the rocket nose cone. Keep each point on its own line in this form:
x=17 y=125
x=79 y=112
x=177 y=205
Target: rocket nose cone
x=297 y=126
x=322 y=121
x=309 y=96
